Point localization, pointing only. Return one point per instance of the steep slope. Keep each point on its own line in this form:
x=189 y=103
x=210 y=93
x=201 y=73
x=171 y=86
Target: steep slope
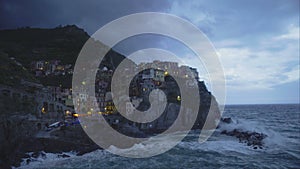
x=27 y=44
x=21 y=46
x=61 y=43
x=12 y=71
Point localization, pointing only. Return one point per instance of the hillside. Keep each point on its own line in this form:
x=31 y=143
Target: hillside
x=12 y=72
x=27 y=44
x=18 y=48
x=60 y=43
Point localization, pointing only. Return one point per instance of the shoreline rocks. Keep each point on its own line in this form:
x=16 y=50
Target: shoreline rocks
x=253 y=139
x=60 y=141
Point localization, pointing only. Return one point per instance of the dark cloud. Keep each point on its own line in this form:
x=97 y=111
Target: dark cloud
x=89 y=15
x=234 y=18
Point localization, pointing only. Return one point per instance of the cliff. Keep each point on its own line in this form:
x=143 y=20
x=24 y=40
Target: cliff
x=19 y=121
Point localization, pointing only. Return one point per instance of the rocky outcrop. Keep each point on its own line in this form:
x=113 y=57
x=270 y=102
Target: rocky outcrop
x=227 y=120
x=253 y=139
x=14 y=130
x=17 y=134
x=18 y=127
x=167 y=118
x=19 y=139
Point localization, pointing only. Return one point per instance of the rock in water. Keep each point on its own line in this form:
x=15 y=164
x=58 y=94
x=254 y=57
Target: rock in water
x=226 y=120
x=250 y=138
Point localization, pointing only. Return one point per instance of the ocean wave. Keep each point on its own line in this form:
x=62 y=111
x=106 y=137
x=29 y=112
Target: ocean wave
x=45 y=159
x=274 y=140
x=219 y=146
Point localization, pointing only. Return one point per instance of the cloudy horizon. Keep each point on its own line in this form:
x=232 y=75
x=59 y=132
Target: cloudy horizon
x=257 y=41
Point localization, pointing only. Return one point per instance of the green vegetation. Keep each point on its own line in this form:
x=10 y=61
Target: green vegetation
x=33 y=44
x=28 y=44
x=11 y=73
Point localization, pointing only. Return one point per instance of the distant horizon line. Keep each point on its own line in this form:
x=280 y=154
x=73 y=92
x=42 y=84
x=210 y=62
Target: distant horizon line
x=240 y=104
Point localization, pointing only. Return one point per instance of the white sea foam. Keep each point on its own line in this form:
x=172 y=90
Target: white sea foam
x=281 y=144
x=217 y=143
x=155 y=144
x=48 y=158
x=273 y=139
x=219 y=146
x=243 y=125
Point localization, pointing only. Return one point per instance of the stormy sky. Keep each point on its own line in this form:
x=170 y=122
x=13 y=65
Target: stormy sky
x=257 y=41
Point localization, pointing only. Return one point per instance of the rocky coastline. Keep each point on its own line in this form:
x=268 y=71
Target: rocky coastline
x=22 y=115
x=20 y=145
x=22 y=132
x=250 y=138
x=15 y=147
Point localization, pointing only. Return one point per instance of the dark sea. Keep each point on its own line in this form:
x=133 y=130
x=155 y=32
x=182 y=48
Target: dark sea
x=281 y=148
